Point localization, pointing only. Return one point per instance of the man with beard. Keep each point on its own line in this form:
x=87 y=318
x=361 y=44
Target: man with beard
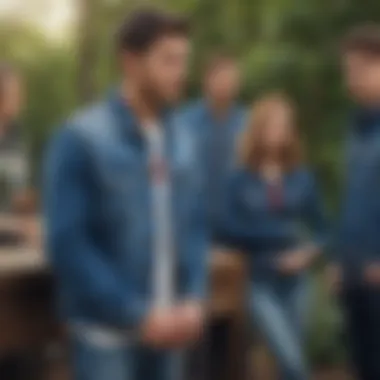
x=126 y=230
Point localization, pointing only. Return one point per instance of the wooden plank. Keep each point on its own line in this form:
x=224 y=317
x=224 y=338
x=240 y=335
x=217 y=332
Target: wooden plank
x=22 y=260
x=28 y=257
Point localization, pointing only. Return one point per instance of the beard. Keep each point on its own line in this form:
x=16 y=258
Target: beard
x=159 y=96
x=152 y=97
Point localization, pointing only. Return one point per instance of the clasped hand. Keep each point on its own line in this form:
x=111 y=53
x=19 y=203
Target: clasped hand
x=178 y=326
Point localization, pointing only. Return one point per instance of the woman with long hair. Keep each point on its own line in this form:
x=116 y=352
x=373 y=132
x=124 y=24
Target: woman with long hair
x=273 y=212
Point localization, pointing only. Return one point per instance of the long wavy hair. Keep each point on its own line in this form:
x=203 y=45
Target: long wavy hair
x=251 y=147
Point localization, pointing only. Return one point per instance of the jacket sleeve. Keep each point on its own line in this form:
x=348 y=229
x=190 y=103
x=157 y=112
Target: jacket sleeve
x=197 y=252
x=234 y=227
x=197 y=246
x=237 y=227
x=76 y=259
x=316 y=216
x=231 y=229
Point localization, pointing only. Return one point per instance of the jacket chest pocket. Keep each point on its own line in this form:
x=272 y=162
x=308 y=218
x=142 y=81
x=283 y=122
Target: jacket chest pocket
x=118 y=178
x=120 y=170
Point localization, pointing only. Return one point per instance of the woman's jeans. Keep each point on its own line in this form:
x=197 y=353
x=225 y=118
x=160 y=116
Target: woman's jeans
x=279 y=309
x=122 y=362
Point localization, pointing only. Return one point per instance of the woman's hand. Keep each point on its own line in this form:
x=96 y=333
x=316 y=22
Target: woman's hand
x=296 y=261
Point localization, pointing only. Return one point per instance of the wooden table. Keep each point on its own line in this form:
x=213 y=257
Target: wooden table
x=26 y=317
x=27 y=321
x=21 y=261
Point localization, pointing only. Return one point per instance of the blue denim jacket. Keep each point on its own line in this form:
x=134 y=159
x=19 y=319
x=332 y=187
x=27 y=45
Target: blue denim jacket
x=98 y=214
x=358 y=239
x=219 y=140
x=253 y=224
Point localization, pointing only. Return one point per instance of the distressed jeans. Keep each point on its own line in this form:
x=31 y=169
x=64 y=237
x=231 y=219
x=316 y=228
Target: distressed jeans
x=279 y=310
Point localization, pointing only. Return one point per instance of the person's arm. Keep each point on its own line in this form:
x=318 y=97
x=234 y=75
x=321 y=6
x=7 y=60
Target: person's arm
x=314 y=217
x=235 y=225
x=197 y=247
x=230 y=229
x=316 y=220
x=197 y=251
x=76 y=259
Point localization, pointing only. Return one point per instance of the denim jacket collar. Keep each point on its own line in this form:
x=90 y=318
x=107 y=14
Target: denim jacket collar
x=127 y=118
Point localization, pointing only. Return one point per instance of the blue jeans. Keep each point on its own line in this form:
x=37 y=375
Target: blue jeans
x=278 y=308
x=126 y=362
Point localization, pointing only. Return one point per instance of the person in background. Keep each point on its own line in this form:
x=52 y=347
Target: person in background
x=14 y=174
x=16 y=203
x=355 y=271
x=274 y=213
x=126 y=224
x=217 y=118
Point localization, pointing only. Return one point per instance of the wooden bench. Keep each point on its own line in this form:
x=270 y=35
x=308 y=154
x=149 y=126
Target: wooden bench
x=27 y=322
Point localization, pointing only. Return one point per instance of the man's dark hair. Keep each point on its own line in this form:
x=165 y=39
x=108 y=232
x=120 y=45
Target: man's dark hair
x=143 y=28
x=363 y=39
